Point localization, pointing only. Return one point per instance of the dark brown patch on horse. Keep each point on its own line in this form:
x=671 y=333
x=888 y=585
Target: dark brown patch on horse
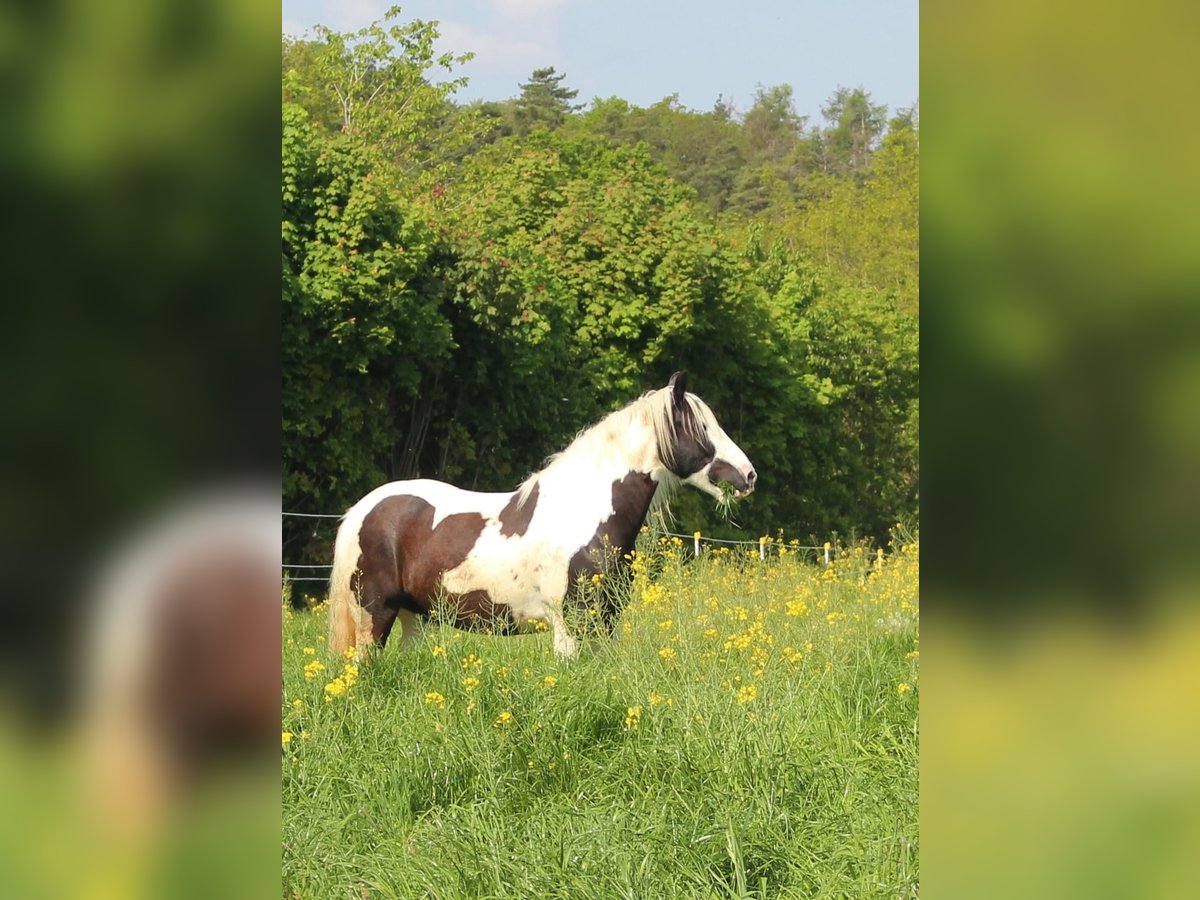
x=515 y=519
x=617 y=534
x=723 y=471
x=404 y=557
x=692 y=449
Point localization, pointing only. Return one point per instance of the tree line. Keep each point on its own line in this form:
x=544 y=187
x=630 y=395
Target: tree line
x=465 y=286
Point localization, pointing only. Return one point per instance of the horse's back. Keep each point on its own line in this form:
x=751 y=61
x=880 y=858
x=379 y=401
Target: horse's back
x=446 y=499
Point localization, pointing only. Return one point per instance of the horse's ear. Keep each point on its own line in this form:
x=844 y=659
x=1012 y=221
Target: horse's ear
x=678 y=386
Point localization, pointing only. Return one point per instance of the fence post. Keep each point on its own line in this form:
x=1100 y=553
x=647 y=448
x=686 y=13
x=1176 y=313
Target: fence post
x=696 y=540
x=878 y=559
x=827 y=546
x=762 y=549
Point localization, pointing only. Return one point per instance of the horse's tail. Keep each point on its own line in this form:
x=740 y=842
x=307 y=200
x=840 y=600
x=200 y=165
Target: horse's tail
x=341 y=591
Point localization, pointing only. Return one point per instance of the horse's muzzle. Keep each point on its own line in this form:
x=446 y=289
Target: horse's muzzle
x=751 y=478
x=743 y=482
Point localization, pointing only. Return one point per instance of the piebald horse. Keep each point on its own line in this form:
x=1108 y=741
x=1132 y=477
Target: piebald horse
x=507 y=560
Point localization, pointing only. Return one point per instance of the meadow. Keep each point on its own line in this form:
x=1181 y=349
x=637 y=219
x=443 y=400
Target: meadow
x=750 y=730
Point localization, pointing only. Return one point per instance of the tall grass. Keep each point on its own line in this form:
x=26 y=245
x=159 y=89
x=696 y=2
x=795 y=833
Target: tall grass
x=750 y=731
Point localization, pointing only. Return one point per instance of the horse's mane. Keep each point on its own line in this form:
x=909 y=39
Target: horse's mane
x=652 y=410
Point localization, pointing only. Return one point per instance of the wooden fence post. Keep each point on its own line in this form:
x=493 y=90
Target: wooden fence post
x=827 y=546
x=696 y=540
x=762 y=548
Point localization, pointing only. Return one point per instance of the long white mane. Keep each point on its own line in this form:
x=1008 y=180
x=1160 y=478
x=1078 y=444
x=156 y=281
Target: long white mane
x=625 y=436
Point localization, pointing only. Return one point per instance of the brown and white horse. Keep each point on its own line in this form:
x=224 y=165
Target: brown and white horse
x=507 y=560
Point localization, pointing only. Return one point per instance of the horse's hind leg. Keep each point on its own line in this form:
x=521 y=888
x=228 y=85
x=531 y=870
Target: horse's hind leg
x=374 y=619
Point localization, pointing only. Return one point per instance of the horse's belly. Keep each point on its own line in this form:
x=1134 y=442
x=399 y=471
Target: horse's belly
x=524 y=582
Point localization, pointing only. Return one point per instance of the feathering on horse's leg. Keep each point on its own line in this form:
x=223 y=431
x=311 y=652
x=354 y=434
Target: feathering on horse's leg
x=565 y=646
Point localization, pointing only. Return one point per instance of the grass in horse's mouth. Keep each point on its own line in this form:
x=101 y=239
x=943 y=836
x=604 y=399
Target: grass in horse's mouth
x=725 y=501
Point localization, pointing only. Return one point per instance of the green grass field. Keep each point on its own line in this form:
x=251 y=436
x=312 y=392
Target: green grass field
x=750 y=731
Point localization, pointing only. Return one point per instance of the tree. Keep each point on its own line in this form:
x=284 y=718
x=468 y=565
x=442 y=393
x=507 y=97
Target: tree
x=771 y=128
x=771 y=147
x=544 y=102
x=855 y=127
x=373 y=87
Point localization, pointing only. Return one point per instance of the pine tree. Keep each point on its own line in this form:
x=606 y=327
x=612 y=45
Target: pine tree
x=544 y=101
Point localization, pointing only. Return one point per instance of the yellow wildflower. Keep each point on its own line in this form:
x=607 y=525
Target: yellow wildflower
x=904 y=687
x=349 y=653
x=312 y=669
x=287 y=738
x=549 y=681
x=297 y=704
x=335 y=688
x=309 y=651
x=657 y=698
x=665 y=624
x=505 y=718
x=633 y=717
x=746 y=693
x=470 y=682
x=438 y=650
x=667 y=653
x=433 y=698
x=471 y=660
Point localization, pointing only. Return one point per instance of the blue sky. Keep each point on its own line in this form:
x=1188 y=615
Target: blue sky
x=644 y=51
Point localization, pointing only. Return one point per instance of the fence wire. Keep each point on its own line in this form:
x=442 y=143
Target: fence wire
x=761 y=544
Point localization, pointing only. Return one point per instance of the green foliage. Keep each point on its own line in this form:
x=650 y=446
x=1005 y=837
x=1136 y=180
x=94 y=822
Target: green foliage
x=373 y=86
x=574 y=258
x=359 y=330
x=703 y=150
x=465 y=287
x=866 y=229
